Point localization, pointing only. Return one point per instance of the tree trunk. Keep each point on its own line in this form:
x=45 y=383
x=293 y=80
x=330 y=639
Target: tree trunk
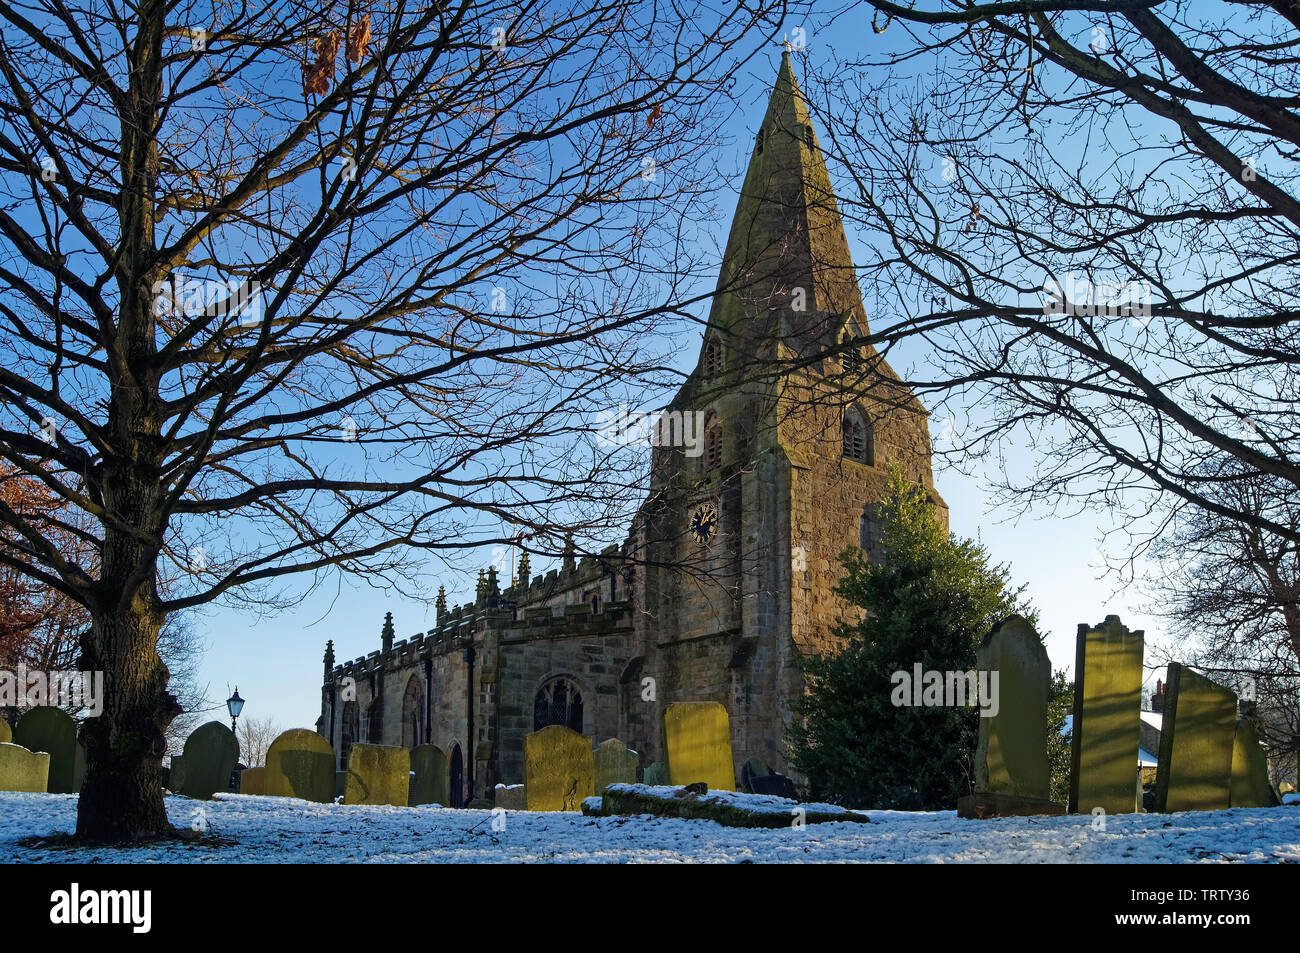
x=121 y=799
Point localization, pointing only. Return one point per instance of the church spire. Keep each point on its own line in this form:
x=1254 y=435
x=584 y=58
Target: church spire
x=787 y=273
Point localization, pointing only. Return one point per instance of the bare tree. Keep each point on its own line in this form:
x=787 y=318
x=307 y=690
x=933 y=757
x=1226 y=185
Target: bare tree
x=1089 y=213
x=1232 y=594
x=255 y=736
x=294 y=288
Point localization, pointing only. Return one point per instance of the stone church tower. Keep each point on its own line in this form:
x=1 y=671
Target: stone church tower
x=800 y=425
x=726 y=578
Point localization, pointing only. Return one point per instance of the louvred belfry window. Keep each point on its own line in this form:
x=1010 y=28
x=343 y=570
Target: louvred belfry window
x=712 y=359
x=858 y=437
x=712 y=442
x=852 y=355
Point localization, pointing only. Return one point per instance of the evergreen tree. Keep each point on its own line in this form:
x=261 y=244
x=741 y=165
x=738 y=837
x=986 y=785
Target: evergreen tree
x=931 y=600
x=1060 y=706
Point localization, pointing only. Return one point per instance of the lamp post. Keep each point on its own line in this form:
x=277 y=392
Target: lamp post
x=234 y=705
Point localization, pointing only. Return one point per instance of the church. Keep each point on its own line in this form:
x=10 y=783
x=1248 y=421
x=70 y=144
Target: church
x=726 y=577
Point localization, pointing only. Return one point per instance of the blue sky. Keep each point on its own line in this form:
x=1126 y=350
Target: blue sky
x=275 y=659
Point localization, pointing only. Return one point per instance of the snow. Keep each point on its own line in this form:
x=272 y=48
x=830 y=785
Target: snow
x=1146 y=759
x=1155 y=719
x=758 y=803
x=286 y=830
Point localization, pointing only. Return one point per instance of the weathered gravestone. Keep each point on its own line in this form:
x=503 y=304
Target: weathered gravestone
x=754 y=767
x=252 y=781
x=6 y=734
x=1250 y=784
x=1194 y=767
x=1011 y=771
x=176 y=776
x=757 y=778
x=777 y=785
x=211 y=753
x=52 y=730
x=428 y=776
x=615 y=763
x=558 y=769
x=23 y=770
x=697 y=743
x=656 y=773
x=378 y=774
x=511 y=797
x=1107 y=707
x=300 y=763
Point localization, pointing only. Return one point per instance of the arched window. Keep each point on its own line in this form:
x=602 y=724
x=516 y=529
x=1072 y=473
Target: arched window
x=375 y=722
x=558 y=703
x=758 y=141
x=413 y=713
x=349 y=732
x=808 y=136
x=712 y=441
x=712 y=359
x=858 y=437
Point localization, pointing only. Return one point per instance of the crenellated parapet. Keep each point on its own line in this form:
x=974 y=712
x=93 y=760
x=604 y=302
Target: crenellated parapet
x=551 y=606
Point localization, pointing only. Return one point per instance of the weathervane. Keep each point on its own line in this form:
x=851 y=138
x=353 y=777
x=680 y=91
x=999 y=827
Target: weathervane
x=796 y=41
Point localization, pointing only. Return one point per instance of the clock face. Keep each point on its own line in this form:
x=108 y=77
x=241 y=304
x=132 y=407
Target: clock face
x=704 y=523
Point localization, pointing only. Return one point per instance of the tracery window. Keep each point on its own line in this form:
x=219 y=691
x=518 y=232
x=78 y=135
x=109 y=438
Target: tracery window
x=558 y=702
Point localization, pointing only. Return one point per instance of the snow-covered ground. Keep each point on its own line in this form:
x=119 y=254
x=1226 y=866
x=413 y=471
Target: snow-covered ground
x=274 y=830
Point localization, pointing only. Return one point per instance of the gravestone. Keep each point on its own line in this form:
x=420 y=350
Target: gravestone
x=559 y=769
x=1011 y=771
x=1250 y=785
x=211 y=753
x=6 y=733
x=300 y=763
x=378 y=774
x=23 y=770
x=52 y=730
x=754 y=767
x=777 y=785
x=429 y=776
x=176 y=776
x=1107 y=707
x=656 y=773
x=697 y=743
x=1194 y=767
x=511 y=797
x=252 y=781
x=166 y=777
x=615 y=763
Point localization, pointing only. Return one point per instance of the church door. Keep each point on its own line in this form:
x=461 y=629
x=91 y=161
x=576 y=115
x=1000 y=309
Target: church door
x=456 y=777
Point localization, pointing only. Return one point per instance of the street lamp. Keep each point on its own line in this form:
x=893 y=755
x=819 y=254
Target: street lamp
x=234 y=705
